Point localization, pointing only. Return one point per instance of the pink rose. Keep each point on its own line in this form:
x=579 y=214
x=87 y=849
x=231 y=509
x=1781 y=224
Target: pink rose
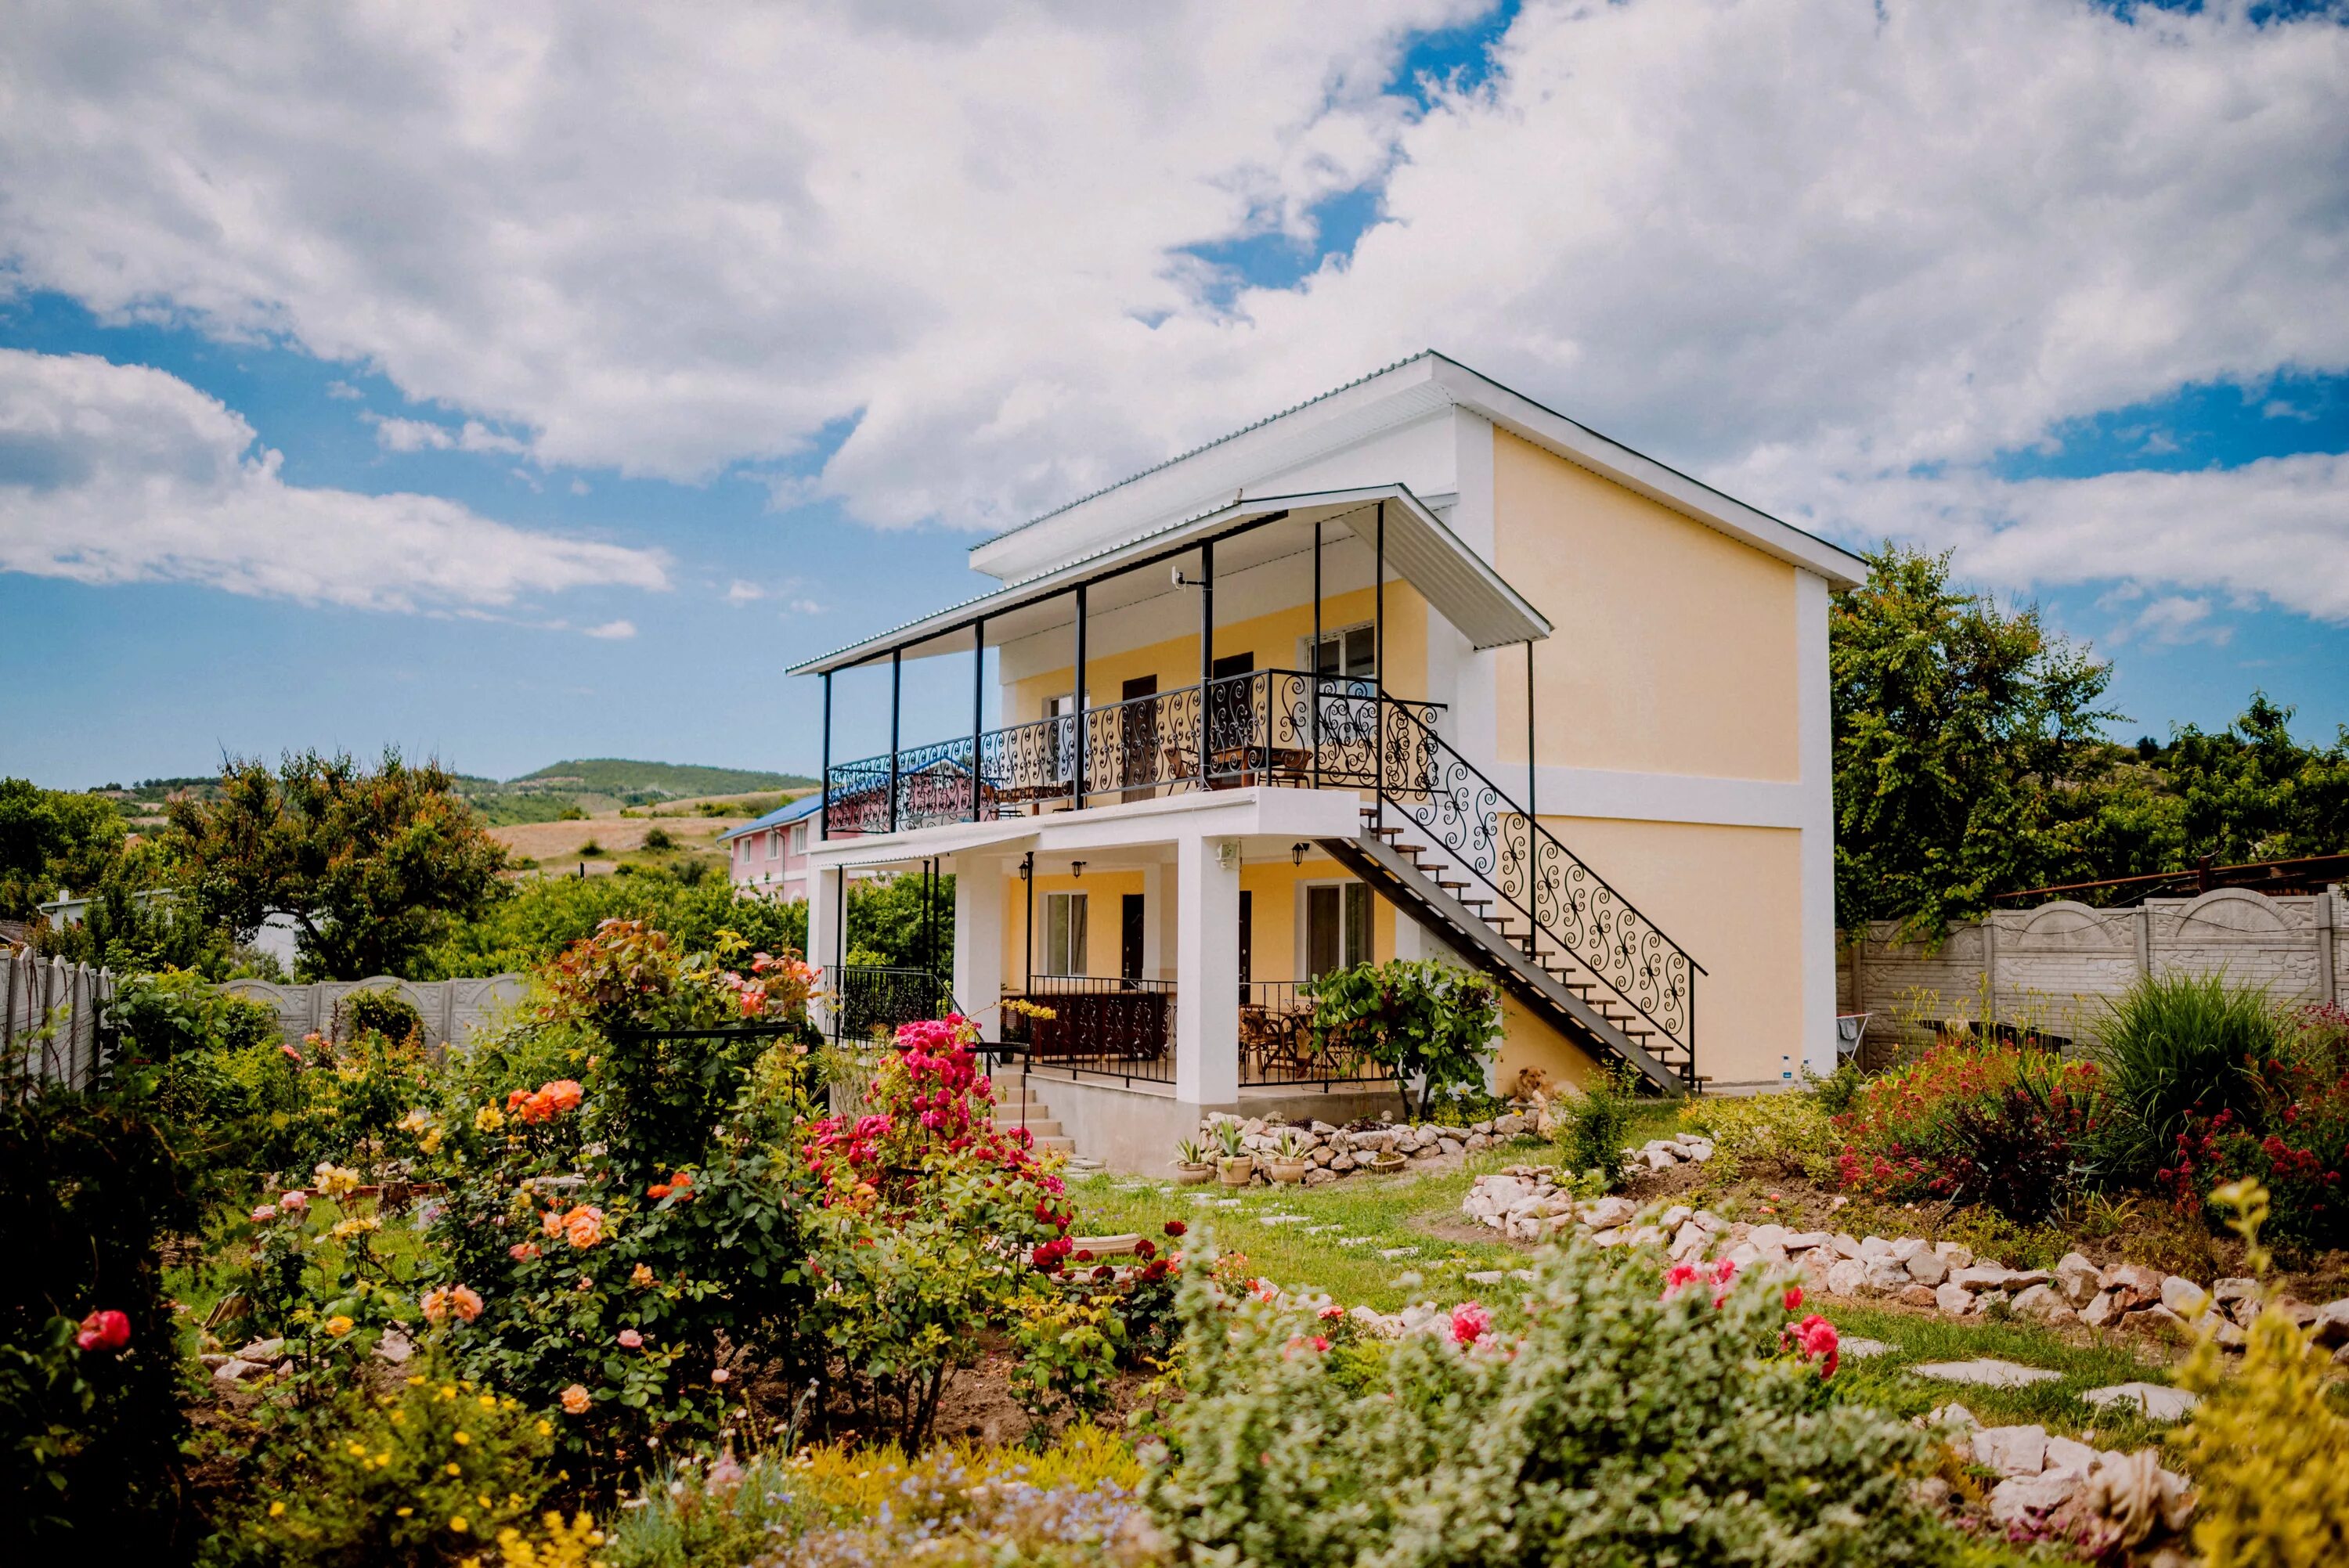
x=1469 y=1322
x=631 y=1339
x=106 y=1329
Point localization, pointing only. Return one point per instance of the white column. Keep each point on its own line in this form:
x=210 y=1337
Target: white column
x=1815 y=737
x=824 y=896
x=1208 y=971
x=1153 y=923
x=978 y=940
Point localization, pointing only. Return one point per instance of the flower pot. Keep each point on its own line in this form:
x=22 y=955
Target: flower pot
x=1236 y=1172
x=1192 y=1175
x=1289 y=1172
x=1388 y=1164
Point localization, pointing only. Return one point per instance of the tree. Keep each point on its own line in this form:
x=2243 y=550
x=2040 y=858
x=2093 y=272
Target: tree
x=2250 y=792
x=1962 y=736
x=371 y=866
x=52 y=840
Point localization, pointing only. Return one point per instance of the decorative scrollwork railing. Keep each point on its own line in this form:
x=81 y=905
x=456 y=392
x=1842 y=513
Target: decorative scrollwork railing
x=1266 y=727
x=1574 y=911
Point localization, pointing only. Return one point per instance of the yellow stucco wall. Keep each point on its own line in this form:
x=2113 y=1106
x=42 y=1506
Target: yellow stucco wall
x=1675 y=647
x=1273 y=638
x=1733 y=898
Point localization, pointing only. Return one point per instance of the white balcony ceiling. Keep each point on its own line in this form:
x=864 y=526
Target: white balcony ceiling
x=1247 y=532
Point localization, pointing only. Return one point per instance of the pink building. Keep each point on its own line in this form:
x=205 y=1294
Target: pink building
x=768 y=858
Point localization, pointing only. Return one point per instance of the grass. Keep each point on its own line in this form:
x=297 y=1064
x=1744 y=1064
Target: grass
x=1346 y=1226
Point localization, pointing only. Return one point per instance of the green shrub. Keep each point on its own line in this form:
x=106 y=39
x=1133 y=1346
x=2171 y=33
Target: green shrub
x=1593 y=1124
x=2174 y=1047
x=428 y=1473
x=89 y=1435
x=1767 y=1134
x=1623 y=1428
x=379 y=1010
x=1419 y=1019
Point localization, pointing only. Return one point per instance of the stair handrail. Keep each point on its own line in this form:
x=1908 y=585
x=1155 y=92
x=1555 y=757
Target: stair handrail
x=1616 y=944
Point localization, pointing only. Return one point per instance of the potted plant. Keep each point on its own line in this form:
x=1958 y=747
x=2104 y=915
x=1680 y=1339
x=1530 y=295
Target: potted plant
x=1235 y=1165
x=1192 y=1165
x=1289 y=1162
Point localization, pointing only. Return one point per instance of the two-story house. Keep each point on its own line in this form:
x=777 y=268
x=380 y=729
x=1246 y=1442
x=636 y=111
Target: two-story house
x=1418 y=668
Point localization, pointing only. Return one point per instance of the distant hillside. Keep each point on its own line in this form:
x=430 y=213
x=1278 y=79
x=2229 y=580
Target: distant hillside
x=640 y=783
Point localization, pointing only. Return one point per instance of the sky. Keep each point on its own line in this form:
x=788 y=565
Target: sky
x=518 y=381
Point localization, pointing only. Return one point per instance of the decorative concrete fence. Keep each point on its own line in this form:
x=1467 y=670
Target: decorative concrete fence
x=49 y=1015
x=2052 y=968
x=450 y=1007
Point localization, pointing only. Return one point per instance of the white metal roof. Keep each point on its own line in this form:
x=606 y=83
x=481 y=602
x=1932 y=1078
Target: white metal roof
x=1419 y=550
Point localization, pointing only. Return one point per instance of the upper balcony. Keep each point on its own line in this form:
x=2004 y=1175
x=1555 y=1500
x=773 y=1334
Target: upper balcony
x=1206 y=701
x=1266 y=727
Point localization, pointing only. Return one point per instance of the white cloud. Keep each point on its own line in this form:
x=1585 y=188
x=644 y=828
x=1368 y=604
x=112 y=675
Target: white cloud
x=397 y=435
x=740 y=592
x=113 y=473
x=344 y=391
x=614 y=631
x=1801 y=248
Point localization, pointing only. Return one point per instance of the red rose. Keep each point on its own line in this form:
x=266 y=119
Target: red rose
x=1176 y=1227
x=106 y=1329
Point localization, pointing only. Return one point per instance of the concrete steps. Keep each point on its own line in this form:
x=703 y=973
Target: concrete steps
x=1017 y=1104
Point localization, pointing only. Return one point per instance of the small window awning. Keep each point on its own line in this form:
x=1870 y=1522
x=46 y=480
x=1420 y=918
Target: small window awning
x=1420 y=549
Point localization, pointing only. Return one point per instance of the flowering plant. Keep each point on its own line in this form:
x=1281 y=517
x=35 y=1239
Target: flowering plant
x=2006 y=1125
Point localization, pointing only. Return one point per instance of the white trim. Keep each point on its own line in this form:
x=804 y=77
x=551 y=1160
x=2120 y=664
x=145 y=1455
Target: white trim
x=1816 y=741
x=1661 y=797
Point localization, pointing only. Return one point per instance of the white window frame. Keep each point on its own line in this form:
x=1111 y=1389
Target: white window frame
x=1370 y=927
x=1305 y=648
x=799 y=838
x=1068 y=915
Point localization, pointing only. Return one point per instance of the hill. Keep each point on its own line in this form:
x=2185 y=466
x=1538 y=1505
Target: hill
x=642 y=783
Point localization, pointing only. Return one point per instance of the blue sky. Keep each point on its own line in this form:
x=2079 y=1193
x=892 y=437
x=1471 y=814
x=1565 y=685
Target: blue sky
x=800 y=451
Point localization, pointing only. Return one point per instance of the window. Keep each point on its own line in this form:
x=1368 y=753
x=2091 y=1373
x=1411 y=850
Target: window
x=1065 y=917
x=799 y=838
x=774 y=844
x=1337 y=927
x=1351 y=652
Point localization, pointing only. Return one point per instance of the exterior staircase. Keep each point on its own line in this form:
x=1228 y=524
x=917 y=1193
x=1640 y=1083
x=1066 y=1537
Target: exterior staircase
x=1017 y=1104
x=1447 y=846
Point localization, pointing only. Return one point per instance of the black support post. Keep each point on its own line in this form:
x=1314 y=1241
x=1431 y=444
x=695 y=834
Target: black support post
x=1206 y=649
x=978 y=708
x=1313 y=660
x=1077 y=784
x=897 y=684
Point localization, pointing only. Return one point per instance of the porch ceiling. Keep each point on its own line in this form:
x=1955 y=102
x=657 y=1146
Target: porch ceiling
x=1419 y=548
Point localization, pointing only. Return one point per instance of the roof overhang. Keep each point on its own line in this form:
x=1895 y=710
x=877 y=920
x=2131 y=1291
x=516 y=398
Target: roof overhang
x=1248 y=532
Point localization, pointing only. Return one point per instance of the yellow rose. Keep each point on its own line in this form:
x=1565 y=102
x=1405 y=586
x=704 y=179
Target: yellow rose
x=489 y=1118
x=338 y=1325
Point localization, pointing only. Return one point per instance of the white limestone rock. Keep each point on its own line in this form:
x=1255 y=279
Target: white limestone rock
x=2183 y=1296
x=1954 y=1299
x=1927 y=1267
x=1988 y=1372
x=2011 y=1450
x=2019 y=1498
x=2330 y=1324
x=1847 y=1277
x=2155 y=1400
x=2078 y=1279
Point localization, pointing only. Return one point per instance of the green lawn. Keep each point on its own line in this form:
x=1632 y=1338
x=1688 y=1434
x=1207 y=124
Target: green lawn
x=1338 y=1245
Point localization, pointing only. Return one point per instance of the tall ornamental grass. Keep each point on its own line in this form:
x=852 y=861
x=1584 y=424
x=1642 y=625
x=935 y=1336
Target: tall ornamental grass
x=2175 y=1047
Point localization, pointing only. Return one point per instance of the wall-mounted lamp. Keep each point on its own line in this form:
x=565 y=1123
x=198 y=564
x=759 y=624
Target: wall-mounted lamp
x=1028 y=867
x=1077 y=870
x=1228 y=854
x=1296 y=853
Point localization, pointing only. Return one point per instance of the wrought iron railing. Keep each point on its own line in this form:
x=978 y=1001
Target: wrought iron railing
x=1573 y=911
x=1093 y=1024
x=1267 y=727
x=870 y=998
x=1276 y=1044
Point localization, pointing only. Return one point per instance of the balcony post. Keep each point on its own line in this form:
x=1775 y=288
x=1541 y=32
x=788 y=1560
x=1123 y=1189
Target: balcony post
x=1207 y=973
x=824 y=945
x=1532 y=777
x=897 y=683
x=823 y=780
x=977 y=708
x=1207 y=648
x=1379 y=599
x=1077 y=784
x=1313 y=660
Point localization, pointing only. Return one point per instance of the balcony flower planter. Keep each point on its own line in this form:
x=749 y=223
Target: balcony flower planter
x=1238 y=1171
